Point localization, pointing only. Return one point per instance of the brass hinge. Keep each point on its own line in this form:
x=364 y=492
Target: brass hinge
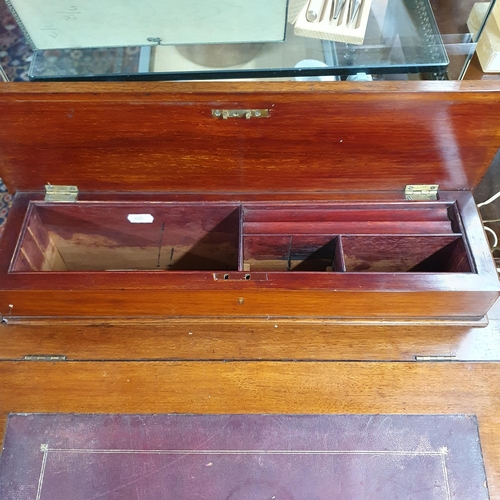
x=450 y=357
x=421 y=192
x=66 y=194
x=44 y=357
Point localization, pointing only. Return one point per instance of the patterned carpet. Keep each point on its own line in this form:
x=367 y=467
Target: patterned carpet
x=15 y=55
x=5 y=202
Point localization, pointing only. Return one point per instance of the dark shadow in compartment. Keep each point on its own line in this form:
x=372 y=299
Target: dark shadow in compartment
x=396 y=254
x=309 y=259
x=452 y=258
x=100 y=237
x=316 y=253
x=217 y=250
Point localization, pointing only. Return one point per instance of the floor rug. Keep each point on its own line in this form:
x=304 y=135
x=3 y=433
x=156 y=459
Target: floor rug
x=236 y=457
x=15 y=55
x=5 y=203
x=18 y=60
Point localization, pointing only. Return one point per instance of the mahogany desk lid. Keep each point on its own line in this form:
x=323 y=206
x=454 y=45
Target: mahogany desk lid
x=163 y=137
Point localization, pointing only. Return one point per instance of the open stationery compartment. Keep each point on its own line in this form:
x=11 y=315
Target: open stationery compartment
x=99 y=236
x=245 y=201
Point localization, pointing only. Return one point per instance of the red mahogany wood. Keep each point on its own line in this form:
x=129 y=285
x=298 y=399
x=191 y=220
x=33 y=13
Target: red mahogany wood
x=204 y=236
x=297 y=294
x=259 y=385
x=162 y=137
x=99 y=237
x=405 y=253
x=124 y=143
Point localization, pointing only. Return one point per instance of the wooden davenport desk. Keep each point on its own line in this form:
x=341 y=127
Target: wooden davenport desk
x=272 y=324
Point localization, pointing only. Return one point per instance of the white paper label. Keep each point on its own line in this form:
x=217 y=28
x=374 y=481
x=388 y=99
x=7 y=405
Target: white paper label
x=140 y=218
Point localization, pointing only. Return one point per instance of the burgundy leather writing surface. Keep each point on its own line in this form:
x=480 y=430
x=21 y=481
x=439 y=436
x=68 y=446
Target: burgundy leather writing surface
x=236 y=457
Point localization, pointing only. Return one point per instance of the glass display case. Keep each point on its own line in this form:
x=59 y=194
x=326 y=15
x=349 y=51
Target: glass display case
x=404 y=39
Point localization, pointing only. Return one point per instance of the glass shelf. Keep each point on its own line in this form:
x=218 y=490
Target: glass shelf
x=402 y=37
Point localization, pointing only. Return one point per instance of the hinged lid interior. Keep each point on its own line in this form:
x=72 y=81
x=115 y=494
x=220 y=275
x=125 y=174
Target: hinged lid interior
x=168 y=137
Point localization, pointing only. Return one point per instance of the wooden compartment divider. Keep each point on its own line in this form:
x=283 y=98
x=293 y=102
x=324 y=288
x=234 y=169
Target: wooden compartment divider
x=241 y=237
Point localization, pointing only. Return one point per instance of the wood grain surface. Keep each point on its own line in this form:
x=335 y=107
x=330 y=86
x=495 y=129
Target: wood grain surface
x=319 y=139
x=162 y=137
x=240 y=341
